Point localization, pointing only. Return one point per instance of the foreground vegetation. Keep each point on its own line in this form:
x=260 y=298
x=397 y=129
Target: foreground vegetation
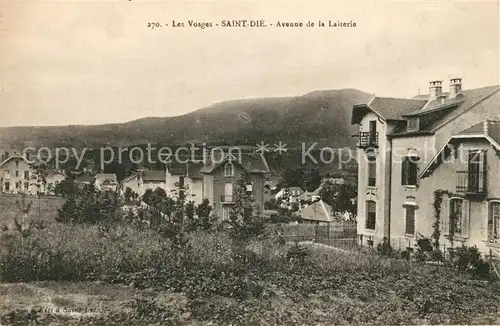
x=173 y=263
x=215 y=278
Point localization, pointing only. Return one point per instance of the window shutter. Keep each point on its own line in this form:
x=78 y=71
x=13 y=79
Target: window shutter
x=404 y=172
x=486 y=213
x=465 y=217
x=482 y=170
x=445 y=214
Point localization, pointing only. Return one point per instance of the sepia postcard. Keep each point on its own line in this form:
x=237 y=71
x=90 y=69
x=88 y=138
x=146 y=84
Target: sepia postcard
x=249 y=162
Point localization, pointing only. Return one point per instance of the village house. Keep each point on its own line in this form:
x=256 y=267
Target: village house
x=134 y=182
x=52 y=179
x=318 y=213
x=465 y=171
x=220 y=181
x=106 y=181
x=16 y=175
x=152 y=179
x=397 y=141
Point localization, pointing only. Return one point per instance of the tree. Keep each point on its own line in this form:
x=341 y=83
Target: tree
x=244 y=223
x=65 y=188
x=305 y=178
x=39 y=177
x=339 y=196
x=89 y=206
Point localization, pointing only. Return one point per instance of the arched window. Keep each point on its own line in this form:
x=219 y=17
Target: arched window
x=229 y=169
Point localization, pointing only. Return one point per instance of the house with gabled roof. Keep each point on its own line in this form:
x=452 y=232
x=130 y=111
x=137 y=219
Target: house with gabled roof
x=220 y=179
x=397 y=139
x=106 y=181
x=318 y=213
x=16 y=175
x=466 y=170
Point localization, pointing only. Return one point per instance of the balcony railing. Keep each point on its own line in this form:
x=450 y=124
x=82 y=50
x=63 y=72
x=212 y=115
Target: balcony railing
x=368 y=139
x=226 y=198
x=471 y=183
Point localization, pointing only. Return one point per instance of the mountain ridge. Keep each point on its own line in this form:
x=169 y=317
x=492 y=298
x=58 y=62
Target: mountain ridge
x=318 y=116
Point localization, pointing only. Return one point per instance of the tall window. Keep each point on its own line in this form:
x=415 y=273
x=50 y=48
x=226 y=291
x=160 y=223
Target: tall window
x=373 y=131
x=371 y=214
x=410 y=220
x=7 y=186
x=228 y=192
x=372 y=173
x=494 y=222
x=476 y=170
x=26 y=175
x=17 y=173
x=409 y=171
x=229 y=169
x=225 y=212
x=456 y=215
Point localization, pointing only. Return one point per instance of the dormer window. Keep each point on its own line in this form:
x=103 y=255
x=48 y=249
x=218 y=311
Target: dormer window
x=229 y=169
x=413 y=123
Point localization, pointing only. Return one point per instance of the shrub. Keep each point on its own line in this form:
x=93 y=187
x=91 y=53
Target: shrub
x=384 y=248
x=469 y=259
x=297 y=253
x=89 y=205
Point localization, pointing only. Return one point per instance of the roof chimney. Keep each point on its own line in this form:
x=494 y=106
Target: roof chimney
x=435 y=89
x=455 y=87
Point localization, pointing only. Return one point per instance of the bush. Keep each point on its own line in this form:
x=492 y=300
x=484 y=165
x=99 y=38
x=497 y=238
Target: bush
x=88 y=205
x=384 y=248
x=469 y=259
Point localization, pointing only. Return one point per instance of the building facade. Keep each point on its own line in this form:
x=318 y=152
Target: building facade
x=398 y=138
x=220 y=181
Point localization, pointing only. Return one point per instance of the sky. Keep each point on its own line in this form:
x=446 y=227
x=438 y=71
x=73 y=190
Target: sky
x=82 y=62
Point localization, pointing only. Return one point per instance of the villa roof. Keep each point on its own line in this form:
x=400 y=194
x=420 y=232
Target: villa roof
x=437 y=112
x=14 y=157
x=251 y=163
x=444 y=110
x=106 y=177
x=387 y=108
x=488 y=130
x=318 y=211
x=154 y=176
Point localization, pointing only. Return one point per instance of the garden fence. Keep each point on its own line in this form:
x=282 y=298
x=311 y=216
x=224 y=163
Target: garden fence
x=340 y=234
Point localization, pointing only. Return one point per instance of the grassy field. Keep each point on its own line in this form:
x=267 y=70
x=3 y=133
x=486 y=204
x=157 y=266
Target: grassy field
x=43 y=208
x=76 y=275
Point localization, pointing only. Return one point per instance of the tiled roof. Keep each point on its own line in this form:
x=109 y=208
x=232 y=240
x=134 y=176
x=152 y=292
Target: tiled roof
x=493 y=130
x=14 y=157
x=485 y=128
x=193 y=170
x=101 y=177
x=176 y=168
x=154 y=176
x=85 y=178
x=318 y=211
x=395 y=108
x=131 y=176
x=387 y=108
x=447 y=109
x=252 y=163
